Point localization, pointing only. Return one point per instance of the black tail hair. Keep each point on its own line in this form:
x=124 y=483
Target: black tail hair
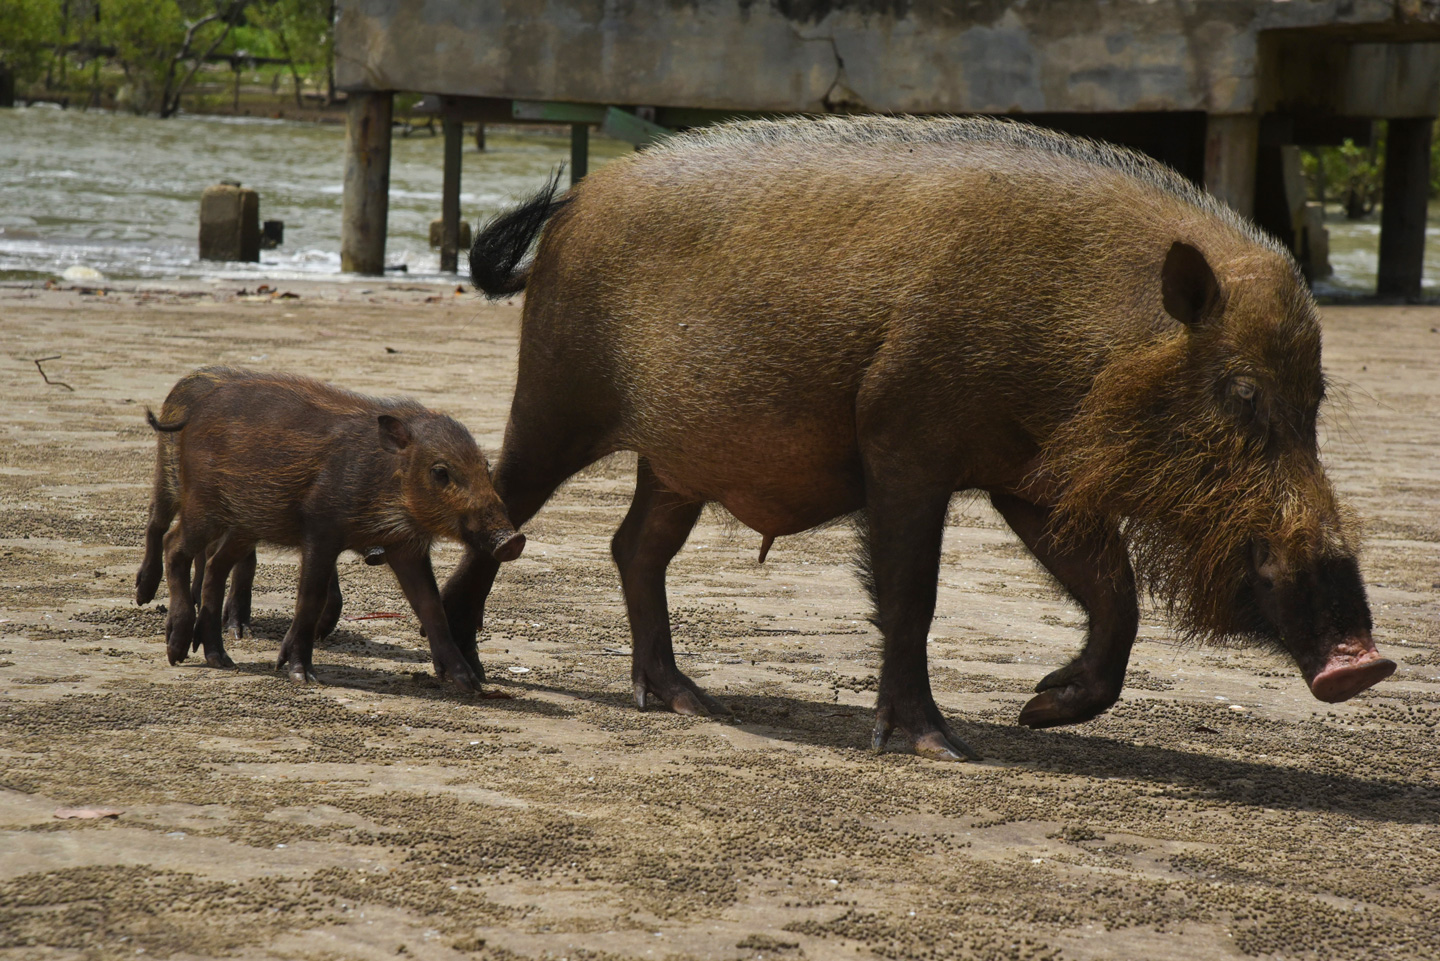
x=166 y=428
x=495 y=256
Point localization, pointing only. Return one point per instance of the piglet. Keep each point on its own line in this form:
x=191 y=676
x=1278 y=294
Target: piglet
x=286 y=460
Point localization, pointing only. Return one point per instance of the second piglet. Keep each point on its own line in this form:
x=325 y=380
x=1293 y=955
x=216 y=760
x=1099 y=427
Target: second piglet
x=286 y=460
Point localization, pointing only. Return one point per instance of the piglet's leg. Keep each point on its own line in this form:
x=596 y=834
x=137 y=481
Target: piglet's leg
x=417 y=580
x=236 y=617
x=224 y=554
x=317 y=570
x=1096 y=573
x=334 y=602
x=180 y=621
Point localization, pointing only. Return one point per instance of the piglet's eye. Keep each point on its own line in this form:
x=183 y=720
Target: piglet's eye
x=1243 y=388
x=440 y=475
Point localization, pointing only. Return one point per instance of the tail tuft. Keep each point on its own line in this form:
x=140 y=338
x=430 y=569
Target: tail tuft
x=495 y=257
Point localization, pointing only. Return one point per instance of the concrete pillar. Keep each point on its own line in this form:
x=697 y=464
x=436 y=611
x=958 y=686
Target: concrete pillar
x=450 y=198
x=367 y=183
x=230 y=223
x=1231 y=142
x=579 y=152
x=1402 y=216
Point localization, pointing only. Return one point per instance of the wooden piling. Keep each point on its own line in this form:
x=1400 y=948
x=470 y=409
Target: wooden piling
x=450 y=198
x=1231 y=145
x=367 y=182
x=1402 y=216
x=579 y=151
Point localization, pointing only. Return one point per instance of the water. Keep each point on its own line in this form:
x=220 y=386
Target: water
x=121 y=194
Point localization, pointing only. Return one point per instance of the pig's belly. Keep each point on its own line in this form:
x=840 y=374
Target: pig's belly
x=776 y=482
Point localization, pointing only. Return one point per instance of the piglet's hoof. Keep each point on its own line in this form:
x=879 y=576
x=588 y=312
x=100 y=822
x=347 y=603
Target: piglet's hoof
x=301 y=675
x=178 y=635
x=218 y=659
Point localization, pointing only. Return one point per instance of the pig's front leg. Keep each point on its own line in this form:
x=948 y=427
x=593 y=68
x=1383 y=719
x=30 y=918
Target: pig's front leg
x=1096 y=573
x=417 y=580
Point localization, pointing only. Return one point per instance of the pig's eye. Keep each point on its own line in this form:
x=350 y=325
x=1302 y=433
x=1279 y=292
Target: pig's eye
x=1244 y=390
x=440 y=475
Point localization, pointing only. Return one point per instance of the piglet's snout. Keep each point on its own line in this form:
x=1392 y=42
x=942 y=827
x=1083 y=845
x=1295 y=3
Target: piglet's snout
x=507 y=545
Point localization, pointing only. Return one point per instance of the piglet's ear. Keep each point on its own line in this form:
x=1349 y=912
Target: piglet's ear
x=394 y=435
x=1188 y=285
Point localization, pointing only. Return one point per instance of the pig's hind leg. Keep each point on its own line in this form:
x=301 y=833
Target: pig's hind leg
x=317 y=570
x=224 y=554
x=1097 y=574
x=651 y=535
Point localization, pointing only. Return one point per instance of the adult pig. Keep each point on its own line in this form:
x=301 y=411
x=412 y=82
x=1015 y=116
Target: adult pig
x=291 y=461
x=806 y=318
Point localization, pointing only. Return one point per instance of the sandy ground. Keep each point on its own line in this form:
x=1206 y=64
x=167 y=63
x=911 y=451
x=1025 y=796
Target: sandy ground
x=1217 y=811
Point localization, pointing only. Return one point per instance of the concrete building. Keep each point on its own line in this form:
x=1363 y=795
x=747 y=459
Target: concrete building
x=1223 y=90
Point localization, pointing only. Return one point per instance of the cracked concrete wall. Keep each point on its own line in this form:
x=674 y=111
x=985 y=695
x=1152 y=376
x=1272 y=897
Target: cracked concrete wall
x=894 y=56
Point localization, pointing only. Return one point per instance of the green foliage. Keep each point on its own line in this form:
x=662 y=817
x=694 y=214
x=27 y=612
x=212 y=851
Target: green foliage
x=27 y=28
x=159 y=45
x=1350 y=175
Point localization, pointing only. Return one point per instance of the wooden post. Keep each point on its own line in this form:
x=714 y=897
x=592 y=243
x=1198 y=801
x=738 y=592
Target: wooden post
x=450 y=197
x=1402 y=216
x=480 y=137
x=367 y=183
x=1231 y=143
x=579 y=151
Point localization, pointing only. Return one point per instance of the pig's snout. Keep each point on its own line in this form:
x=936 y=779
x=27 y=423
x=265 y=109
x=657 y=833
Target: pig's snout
x=507 y=545
x=1352 y=666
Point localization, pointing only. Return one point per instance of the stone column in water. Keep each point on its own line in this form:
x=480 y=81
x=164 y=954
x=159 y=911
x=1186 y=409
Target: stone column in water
x=367 y=183
x=1402 y=216
x=1231 y=144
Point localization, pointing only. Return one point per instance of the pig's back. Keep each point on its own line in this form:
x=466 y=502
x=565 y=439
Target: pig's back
x=755 y=271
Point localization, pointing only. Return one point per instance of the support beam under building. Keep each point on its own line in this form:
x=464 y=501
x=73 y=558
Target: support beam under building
x=1402 y=216
x=579 y=152
x=367 y=183
x=450 y=198
x=1231 y=143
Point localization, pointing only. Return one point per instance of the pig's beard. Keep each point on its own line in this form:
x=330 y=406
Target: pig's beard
x=1189 y=492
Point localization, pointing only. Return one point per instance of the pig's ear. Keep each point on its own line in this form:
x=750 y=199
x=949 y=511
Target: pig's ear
x=1188 y=285
x=394 y=435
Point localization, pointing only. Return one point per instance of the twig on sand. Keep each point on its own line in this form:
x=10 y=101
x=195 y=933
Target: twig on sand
x=52 y=383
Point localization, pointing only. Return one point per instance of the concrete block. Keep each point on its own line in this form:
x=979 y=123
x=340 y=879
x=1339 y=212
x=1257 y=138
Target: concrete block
x=230 y=223
x=437 y=233
x=1314 y=241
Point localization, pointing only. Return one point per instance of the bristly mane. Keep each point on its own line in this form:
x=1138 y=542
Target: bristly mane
x=871 y=131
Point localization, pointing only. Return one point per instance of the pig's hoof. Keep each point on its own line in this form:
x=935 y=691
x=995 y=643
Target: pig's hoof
x=178 y=636
x=681 y=696
x=235 y=626
x=938 y=744
x=218 y=659
x=1068 y=696
x=146 y=583
x=303 y=675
